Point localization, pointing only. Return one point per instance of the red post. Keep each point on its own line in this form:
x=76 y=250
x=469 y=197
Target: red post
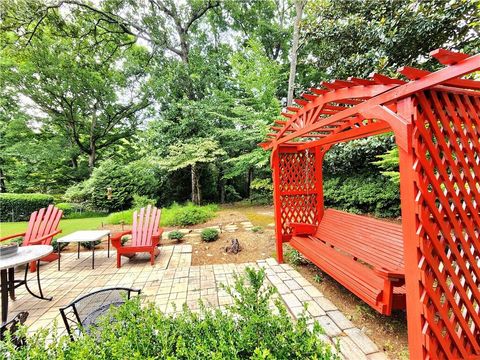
x=277 y=204
x=319 y=155
x=411 y=242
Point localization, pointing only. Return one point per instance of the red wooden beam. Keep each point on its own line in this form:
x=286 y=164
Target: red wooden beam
x=415 y=74
x=461 y=68
x=447 y=57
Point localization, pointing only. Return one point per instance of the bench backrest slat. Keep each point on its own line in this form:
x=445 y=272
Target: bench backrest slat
x=376 y=242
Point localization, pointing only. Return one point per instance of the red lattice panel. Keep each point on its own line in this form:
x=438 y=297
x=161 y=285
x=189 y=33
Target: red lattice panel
x=446 y=150
x=298 y=197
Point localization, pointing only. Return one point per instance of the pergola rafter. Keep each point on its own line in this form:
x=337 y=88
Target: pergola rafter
x=435 y=117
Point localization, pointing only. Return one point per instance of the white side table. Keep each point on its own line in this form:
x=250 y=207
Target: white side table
x=25 y=255
x=84 y=236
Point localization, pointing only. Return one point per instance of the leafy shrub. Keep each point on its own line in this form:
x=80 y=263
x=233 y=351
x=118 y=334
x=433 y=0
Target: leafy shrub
x=77 y=211
x=18 y=207
x=249 y=329
x=176 y=235
x=121 y=217
x=142 y=201
x=295 y=258
x=188 y=214
x=137 y=177
x=55 y=245
x=209 y=235
x=257 y=229
x=363 y=194
x=175 y=215
x=89 y=244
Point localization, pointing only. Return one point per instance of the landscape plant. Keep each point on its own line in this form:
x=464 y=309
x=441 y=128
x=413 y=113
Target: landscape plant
x=176 y=235
x=209 y=235
x=248 y=329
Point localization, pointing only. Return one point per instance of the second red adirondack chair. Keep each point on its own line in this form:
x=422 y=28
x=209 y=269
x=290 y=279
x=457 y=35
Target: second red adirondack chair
x=42 y=227
x=145 y=233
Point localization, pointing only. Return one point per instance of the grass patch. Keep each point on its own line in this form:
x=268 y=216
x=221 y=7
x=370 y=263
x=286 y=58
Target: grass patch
x=175 y=215
x=68 y=226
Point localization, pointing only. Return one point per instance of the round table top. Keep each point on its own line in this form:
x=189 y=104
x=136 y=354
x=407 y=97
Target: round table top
x=24 y=255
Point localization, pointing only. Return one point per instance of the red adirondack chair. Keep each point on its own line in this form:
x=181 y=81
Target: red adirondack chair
x=145 y=233
x=42 y=227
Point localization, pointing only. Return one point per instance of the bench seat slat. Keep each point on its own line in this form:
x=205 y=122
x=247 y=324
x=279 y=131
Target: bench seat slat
x=348 y=247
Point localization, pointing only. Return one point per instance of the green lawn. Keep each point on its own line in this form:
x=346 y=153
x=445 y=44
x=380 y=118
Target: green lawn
x=68 y=226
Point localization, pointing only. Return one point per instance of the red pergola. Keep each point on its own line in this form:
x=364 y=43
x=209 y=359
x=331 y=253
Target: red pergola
x=436 y=121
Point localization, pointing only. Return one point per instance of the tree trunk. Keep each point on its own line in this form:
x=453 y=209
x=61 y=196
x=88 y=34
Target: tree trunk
x=196 y=193
x=92 y=157
x=249 y=182
x=299 y=5
x=3 y=187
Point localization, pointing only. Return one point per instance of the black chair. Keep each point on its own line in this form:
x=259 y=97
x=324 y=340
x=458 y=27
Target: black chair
x=12 y=327
x=84 y=311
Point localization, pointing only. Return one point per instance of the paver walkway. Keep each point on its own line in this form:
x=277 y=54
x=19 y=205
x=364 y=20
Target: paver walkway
x=172 y=281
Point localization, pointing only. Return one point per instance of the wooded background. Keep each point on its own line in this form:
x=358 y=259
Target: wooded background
x=168 y=100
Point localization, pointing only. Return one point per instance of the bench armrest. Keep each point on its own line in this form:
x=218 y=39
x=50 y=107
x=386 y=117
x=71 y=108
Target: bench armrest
x=391 y=275
x=303 y=229
x=12 y=236
x=40 y=239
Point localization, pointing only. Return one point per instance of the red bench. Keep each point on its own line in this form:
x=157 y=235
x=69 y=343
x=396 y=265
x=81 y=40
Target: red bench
x=363 y=254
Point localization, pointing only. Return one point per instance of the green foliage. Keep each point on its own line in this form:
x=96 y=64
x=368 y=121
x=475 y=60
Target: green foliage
x=175 y=215
x=125 y=181
x=257 y=229
x=390 y=163
x=188 y=214
x=295 y=258
x=89 y=244
x=176 y=235
x=121 y=217
x=209 y=235
x=363 y=194
x=77 y=211
x=55 y=245
x=356 y=37
x=142 y=201
x=249 y=329
x=18 y=207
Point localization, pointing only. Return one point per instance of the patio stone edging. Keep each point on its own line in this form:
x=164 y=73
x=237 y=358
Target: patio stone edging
x=297 y=292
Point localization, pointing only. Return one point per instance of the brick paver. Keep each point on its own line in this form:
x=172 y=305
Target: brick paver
x=172 y=281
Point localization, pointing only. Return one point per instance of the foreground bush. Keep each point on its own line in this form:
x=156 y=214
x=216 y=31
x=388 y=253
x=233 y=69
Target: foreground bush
x=249 y=329
x=18 y=207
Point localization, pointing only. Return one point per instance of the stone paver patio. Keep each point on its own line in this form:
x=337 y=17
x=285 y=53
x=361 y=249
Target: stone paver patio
x=172 y=281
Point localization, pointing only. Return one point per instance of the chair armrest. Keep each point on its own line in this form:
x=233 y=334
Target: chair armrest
x=391 y=275
x=117 y=237
x=156 y=237
x=12 y=236
x=40 y=239
x=303 y=229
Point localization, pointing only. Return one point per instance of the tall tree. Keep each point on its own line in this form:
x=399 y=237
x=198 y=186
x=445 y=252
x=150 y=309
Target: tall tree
x=90 y=87
x=299 y=5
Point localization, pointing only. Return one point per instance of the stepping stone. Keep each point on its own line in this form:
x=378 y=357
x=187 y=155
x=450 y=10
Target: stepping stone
x=185 y=231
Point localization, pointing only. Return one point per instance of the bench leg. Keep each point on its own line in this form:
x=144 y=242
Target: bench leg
x=387 y=297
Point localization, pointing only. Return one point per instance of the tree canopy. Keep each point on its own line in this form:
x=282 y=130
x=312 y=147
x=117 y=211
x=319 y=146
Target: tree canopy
x=190 y=88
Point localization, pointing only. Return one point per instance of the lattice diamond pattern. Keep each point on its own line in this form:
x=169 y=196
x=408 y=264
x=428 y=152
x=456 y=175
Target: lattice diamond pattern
x=298 y=196
x=446 y=148
x=297 y=171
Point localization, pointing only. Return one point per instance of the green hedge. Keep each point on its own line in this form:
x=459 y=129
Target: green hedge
x=363 y=194
x=249 y=329
x=18 y=207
